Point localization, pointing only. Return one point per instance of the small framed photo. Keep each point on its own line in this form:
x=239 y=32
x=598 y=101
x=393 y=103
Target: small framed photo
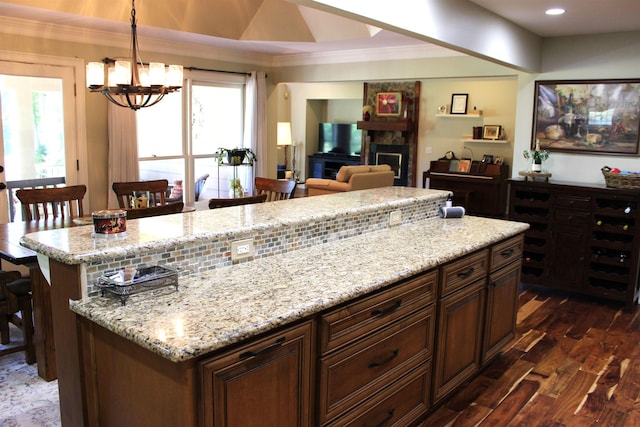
x=487 y=158
x=491 y=131
x=388 y=103
x=498 y=160
x=459 y=103
x=464 y=166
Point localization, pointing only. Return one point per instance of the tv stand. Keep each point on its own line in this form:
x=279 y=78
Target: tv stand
x=323 y=165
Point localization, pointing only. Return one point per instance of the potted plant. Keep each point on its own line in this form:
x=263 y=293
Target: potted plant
x=236 y=156
x=537 y=156
x=235 y=188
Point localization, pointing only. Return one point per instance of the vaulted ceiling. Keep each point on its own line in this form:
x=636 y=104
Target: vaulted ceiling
x=290 y=27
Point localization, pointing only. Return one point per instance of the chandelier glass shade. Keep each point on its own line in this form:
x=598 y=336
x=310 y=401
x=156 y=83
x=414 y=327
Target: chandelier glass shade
x=130 y=82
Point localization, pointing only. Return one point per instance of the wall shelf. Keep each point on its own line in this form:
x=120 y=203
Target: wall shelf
x=487 y=141
x=475 y=115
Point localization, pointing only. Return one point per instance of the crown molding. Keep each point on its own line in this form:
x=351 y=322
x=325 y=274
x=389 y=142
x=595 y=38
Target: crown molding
x=205 y=47
x=364 y=55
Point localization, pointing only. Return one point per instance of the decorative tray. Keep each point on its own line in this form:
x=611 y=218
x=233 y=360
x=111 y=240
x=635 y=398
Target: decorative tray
x=128 y=281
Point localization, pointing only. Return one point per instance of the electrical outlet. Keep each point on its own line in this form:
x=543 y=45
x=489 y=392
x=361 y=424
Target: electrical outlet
x=241 y=249
x=395 y=218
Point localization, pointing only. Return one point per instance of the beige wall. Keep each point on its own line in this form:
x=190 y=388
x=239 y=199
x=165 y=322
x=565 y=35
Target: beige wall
x=495 y=96
x=504 y=94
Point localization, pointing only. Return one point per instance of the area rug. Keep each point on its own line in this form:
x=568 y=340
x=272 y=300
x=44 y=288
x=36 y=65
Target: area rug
x=27 y=400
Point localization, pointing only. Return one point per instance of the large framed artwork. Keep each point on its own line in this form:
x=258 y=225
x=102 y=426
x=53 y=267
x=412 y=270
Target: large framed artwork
x=587 y=116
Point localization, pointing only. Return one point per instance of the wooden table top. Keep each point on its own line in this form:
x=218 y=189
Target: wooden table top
x=12 y=232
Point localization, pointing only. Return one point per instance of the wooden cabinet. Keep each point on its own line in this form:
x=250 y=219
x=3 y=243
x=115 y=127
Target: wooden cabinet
x=376 y=352
x=266 y=382
x=502 y=297
x=381 y=359
x=460 y=323
x=583 y=238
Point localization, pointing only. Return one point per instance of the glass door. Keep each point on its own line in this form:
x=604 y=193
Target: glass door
x=36 y=109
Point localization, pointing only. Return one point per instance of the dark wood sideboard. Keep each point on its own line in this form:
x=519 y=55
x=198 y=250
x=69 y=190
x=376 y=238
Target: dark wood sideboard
x=583 y=238
x=482 y=190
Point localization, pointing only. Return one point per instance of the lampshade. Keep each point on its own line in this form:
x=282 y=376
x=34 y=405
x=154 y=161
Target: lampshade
x=131 y=83
x=284 y=133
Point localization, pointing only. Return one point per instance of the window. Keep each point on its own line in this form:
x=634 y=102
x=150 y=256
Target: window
x=174 y=148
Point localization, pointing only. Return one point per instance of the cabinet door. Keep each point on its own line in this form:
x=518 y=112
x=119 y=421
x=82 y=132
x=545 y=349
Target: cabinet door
x=502 y=307
x=264 y=383
x=569 y=248
x=459 y=342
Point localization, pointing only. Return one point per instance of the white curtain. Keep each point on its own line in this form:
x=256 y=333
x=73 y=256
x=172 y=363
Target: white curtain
x=255 y=128
x=123 y=148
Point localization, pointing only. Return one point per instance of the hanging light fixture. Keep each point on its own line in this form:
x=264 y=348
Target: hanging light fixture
x=130 y=83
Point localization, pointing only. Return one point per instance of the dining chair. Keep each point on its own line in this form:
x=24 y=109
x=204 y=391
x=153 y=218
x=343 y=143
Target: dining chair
x=275 y=189
x=15 y=298
x=58 y=202
x=223 y=203
x=168 y=209
x=156 y=189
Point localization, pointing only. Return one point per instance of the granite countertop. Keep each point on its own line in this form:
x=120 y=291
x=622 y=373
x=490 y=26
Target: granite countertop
x=75 y=246
x=224 y=306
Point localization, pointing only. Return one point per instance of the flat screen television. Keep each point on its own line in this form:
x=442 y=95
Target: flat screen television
x=343 y=139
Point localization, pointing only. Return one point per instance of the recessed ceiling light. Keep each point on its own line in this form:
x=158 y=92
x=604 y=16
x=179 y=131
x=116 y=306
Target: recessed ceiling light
x=555 y=11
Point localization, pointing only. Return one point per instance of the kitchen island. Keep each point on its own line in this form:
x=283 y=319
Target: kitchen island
x=172 y=357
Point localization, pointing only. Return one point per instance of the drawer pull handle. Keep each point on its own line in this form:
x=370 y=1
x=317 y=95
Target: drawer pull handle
x=507 y=254
x=268 y=348
x=387 y=360
x=387 y=310
x=386 y=419
x=465 y=274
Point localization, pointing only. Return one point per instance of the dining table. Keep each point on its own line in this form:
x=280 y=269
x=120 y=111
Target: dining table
x=13 y=253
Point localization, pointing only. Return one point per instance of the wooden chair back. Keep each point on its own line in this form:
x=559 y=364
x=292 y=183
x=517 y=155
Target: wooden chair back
x=168 y=209
x=58 y=202
x=156 y=189
x=275 y=189
x=223 y=203
x=15 y=297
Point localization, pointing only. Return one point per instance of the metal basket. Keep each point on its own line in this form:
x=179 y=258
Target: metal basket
x=617 y=180
x=126 y=282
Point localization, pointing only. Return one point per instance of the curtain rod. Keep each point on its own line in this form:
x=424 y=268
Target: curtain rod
x=242 y=73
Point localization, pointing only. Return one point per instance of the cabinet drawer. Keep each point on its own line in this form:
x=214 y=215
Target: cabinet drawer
x=399 y=405
x=460 y=273
x=368 y=314
x=571 y=201
x=569 y=217
x=505 y=252
x=350 y=376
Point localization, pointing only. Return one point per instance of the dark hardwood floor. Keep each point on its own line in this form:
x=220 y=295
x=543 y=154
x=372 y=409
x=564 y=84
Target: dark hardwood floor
x=574 y=362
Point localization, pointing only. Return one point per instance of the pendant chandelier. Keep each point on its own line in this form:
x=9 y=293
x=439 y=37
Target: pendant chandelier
x=130 y=83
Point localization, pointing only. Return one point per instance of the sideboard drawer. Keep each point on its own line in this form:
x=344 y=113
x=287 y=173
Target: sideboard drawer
x=582 y=203
x=568 y=217
x=458 y=274
x=355 y=320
